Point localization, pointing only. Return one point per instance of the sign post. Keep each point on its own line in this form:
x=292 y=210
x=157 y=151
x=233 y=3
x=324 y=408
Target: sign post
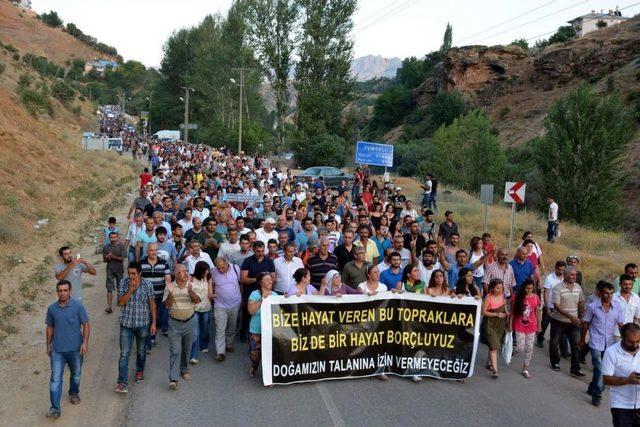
x=374 y=154
x=514 y=194
x=486 y=198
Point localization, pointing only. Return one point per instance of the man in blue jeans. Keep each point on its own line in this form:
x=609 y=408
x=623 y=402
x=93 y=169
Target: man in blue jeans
x=137 y=320
x=602 y=319
x=67 y=342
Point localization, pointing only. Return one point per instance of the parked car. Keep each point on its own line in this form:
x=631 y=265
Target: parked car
x=332 y=176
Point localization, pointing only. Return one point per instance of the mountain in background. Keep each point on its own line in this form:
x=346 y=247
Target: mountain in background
x=371 y=66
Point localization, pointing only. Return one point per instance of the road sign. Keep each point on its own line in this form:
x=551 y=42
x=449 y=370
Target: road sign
x=370 y=153
x=514 y=192
x=191 y=126
x=486 y=194
x=486 y=198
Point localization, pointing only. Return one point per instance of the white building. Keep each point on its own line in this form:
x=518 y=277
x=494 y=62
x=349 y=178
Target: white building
x=25 y=4
x=590 y=22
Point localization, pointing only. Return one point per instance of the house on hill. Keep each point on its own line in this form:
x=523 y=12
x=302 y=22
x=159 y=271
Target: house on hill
x=25 y=4
x=594 y=21
x=99 y=65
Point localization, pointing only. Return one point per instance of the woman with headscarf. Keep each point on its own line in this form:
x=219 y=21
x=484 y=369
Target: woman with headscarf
x=332 y=285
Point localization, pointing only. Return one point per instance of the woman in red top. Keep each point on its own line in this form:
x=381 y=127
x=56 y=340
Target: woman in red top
x=367 y=196
x=527 y=315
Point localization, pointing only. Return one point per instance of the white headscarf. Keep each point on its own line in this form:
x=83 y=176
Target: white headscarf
x=328 y=279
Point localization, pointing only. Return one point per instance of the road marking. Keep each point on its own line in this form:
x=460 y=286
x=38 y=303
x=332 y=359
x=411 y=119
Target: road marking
x=334 y=413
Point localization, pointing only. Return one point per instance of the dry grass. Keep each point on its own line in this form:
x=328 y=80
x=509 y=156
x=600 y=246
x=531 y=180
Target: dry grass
x=602 y=254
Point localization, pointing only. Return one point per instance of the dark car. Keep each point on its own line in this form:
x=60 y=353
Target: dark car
x=332 y=176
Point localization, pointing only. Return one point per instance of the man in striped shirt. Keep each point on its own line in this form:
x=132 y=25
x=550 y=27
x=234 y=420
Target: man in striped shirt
x=157 y=272
x=321 y=263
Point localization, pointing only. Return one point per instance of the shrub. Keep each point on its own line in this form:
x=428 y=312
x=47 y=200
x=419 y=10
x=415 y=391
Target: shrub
x=62 y=91
x=446 y=107
x=76 y=110
x=11 y=48
x=16 y=57
x=36 y=102
x=24 y=81
x=520 y=42
x=51 y=19
x=3 y=67
x=391 y=107
x=504 y=111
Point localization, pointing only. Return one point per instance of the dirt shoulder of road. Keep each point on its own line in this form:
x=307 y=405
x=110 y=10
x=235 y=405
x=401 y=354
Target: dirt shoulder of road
x=24 y=365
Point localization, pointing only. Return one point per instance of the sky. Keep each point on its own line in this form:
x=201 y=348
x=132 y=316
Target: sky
x=138 y=29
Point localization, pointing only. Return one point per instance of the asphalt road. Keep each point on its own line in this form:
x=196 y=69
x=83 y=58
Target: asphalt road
x=224 y=394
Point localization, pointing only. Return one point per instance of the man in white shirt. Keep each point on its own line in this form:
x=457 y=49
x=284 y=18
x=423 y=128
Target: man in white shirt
x=267 y=231
x=196 y=255
x=620 y=368
x=409 y=210
x=427 y=266
x=627 y=300
x=552 y=224
x=550 y=282
x=285 y=267
x=200 y=211
x=233 y=245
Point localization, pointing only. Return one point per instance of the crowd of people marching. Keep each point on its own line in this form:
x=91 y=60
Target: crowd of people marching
x=211 y=234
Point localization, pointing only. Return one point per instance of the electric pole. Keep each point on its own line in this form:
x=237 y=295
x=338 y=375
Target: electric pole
x=240 y=102
x=186 y=112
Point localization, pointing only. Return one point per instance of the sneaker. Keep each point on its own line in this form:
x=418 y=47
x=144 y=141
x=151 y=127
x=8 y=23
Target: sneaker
x=229 y=349
x=193 y=361
x=121 y=388
x=165 y=333
x=220 y=358
x=148 y=351
x=108 y=310
x=416 y=379
x=540 y=344
x=383 y=377
x=596 y=400
x=186 y=376
x=139 y=377
x=52 y=414
x=577 y=373
x=173 y=385
x=74 y=399
x=555 y=367
x=153 y=342
x=252 y=372
x=205 y=351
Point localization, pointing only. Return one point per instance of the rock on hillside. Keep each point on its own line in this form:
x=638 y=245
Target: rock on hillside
x=372 y=66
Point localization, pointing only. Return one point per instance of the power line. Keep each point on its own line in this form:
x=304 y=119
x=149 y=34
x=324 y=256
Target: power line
x=378 y=11
x=600 y=16
x=506 y=22
x=535 y=20
x=391 y=13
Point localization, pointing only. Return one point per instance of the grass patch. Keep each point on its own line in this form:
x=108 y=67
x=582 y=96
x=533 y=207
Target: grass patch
x=87 y=285
x=10 y=201
x=88 y=192
x=8 y=231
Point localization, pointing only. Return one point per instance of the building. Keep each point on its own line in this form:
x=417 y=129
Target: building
x=25 y=4
x=594 y=21
x=99 y=65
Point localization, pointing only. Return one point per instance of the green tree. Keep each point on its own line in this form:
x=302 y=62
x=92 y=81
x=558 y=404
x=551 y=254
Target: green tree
x=325 y=148
x=391 y=107
x=563 y=34
x=51 y=19
x=446 y=107
x=583 y=156
x=520 y=42
x=62 y=91
x=323 y=79
x=274 y=24
x=412 y=73
x=447 y=39
x=467 y=154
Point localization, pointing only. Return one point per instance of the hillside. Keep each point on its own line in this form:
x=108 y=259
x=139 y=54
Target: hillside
x=23 y=30
x=516 y=87
x=44 y=172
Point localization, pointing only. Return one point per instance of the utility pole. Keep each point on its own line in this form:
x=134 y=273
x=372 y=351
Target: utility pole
x=186 y=111
x=240 y=102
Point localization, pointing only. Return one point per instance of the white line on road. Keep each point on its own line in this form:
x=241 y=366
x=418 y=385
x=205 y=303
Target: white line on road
x=334 y=413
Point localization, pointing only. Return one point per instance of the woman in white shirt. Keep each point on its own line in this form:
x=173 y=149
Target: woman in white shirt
x=203 y=287
x=187 y=221
x=476 y=253
x=372 y=286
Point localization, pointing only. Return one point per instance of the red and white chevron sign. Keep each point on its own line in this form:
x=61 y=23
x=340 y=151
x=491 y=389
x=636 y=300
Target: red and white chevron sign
x=514 y=192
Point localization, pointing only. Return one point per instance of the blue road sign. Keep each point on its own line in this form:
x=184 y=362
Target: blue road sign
x=374 y=154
